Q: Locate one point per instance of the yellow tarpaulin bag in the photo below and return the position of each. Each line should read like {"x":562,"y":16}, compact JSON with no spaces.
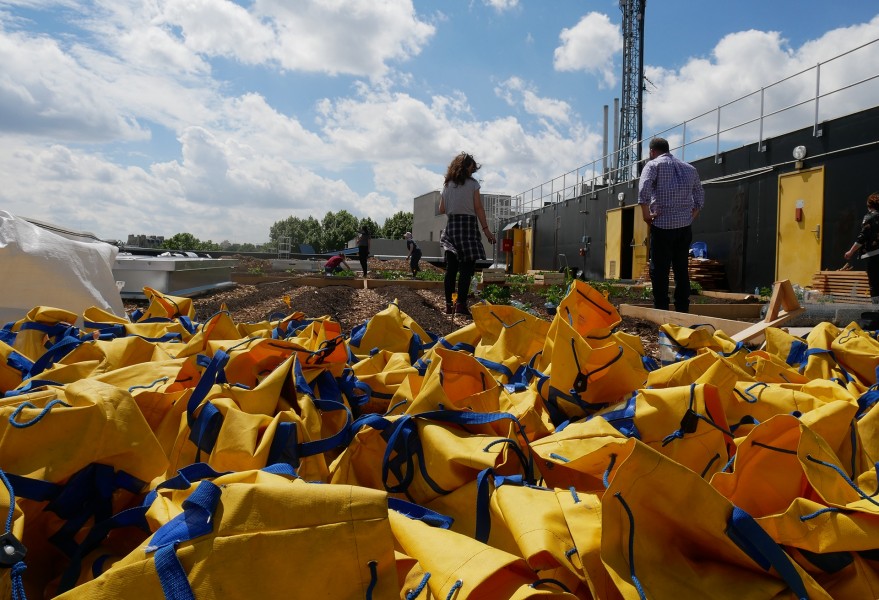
{"x":459,"y":381}
{"x":233,"y":536}
{"x":165,"y":306}
{"x":769,"y":368}
{"x":858,"y":352}
{"x":585,"y":375}
{"x":567,"y":458}
{"x":74,"y":455}
{"x":588,"y":311}
{"x":686,"y":424}
{"x":509,"y":338}
{"x":790,"y":349}
{"x":821,"y":362}
{"x":14,"y":553}
{"x":666,"y":533}
{"x":451,"y":565}
{"x":790,"y":480}
{"x":392,"y":330}
{"x":96,"y":320}
{"x":14,"y":367}
{"x":382,"y":373}
{"x":527,"y":521}
{"x":421,"y":457}
{"x":38,"y":330}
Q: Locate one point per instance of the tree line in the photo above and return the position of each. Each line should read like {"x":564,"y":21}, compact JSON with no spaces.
{"x":333,"y":232}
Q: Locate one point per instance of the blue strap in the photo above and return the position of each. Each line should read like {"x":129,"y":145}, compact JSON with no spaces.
{"x":416,"y":512}
{"x":623,"y":419}
{"x":757,"y":544}
{"x":797,"y":353}
{"x":195,"y":521}
{"x":20,"y":363}
{"x":498,"y":367}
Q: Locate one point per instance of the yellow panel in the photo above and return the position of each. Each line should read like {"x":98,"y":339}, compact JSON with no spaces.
{"x":639,"y":244}
{"x":612,"y":232}
{"x":518,"y":251}
{"x":798,"y":251}
{"x":529,"y":249}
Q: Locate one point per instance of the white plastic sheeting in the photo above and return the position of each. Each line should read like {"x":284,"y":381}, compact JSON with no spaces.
{"x":41,"y":268}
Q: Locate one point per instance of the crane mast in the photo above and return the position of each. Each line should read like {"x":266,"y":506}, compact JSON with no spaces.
{"x":633,"y":89}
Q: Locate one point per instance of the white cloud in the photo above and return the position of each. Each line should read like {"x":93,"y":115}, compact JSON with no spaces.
{"x":502,"y":5}
{"x":45,"y":90}
{"x":516,"y":92}
{"x":590,"y":46}
{"x":354,"y":37}
{"x":744,"y":62}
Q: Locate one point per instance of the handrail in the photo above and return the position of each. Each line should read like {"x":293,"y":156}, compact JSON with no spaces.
{"x":585,"y":184}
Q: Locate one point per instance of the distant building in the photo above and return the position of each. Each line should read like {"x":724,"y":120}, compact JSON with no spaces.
{"x":428,"y":223}
{"x":145,"y":241}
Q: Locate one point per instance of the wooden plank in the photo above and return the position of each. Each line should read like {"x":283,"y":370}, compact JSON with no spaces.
{"x":757,"y":329}
{"x":660,"y":317}
{"x":729,"y":295}
{"x":737,"y":312}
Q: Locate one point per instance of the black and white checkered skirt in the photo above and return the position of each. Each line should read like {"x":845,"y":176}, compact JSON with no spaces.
{"x":463,"y":238}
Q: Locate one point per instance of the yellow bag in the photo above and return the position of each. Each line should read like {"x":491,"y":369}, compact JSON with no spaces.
{"x":687,"y":424}
{"x":432,"y":454}
{"x":451,"y":565}
{"x":459,"y":382}
{"x":14,"y":367}
{"x":858,"y":353}
{"x":392,"y":330}
{"x":655,"y":546}
{"x":509,"y":338}
{"x":382,"y":373}
{"x":227,"y":538}
{"x":165,"y":306}
{"x":588,"y":311}
{"x":585,"y":375}
{"x":12,"y":559}
{"x":42,"y":327}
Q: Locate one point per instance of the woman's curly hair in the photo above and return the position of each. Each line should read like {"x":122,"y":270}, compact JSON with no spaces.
{"x":873,"y":201}
{"x":461,"y":167}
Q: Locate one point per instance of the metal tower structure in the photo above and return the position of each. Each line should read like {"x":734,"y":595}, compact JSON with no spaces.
{"x":633,"y":89}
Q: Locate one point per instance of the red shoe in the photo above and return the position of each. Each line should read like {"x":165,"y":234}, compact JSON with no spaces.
{"x":461,"y":309}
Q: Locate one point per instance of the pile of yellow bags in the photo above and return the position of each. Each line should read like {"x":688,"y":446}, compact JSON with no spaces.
{"x":161,"y":457}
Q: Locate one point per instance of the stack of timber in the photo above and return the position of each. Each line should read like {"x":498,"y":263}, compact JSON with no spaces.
{"x":547,"y":277}
{"x":494,"y":275}
{"x":708,"y":273}
{"x":847,"y":286}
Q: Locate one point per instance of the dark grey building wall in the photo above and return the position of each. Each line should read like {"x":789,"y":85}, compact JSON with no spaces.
{"x":740,"y":217}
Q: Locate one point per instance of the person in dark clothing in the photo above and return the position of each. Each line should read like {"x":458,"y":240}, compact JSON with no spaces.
{"x":363,"y":248}
{"x":414,"y":254}
{"x":461,"y":239}
{"x":866,"y":245}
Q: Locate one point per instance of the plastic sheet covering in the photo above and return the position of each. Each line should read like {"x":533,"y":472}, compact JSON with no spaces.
{"x":42,"y":268}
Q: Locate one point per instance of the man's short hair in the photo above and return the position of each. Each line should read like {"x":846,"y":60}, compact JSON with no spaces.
{"x":659,"y":144}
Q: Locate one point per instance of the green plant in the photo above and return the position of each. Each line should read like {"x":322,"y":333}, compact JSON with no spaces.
{"x":255,"y":271}
{"x":496,"y":294}
{"x":554,"y":293}
{"x":431,"y":275}
{"x":520,"y":283}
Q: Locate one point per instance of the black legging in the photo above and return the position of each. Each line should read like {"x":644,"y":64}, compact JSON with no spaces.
{"x":363,"y":254}
{"x":463,"y":272}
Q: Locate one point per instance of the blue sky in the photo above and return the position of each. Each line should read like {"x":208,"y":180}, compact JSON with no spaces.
{"x":219,"y":118}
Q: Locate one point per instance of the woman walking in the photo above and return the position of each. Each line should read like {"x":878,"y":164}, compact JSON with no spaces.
{"x":461,"y":239}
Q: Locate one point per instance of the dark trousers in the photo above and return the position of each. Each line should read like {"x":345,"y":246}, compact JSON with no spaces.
{"x":363,"y":255}
{"x":873,"y":275}
{"x":463,"y":272}
{"x":670,"y":248}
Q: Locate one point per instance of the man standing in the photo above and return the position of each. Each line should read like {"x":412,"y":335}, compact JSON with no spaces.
{"x":670,"y":195}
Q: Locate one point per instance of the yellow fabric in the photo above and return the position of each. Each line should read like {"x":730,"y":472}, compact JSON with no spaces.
{"x":677,"y":551}
{"x":262,"y":515}
{"x":165,"y":306}
{"x":390,"y":329}
{"x":32,"y":343}
{"x":450,"y":558}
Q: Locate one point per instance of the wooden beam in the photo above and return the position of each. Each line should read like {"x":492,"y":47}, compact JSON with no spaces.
{"x":783,"y":306}
{"x":730,"y":295}
{"x":660,"y":317}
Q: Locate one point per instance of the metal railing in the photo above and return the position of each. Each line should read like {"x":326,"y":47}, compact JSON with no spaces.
{"x":779,"y":107}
